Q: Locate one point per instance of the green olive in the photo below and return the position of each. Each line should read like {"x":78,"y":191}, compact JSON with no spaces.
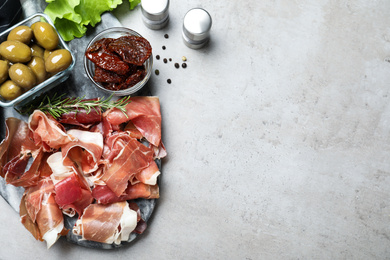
{"x":58,"y":60}
{"x":45,"y":35}
{"x":15,"y":51}
{"x":3,"y":70}
{"x":22,"y":75}
{"x":46,"y":54}
{"x":9,"y":90}
{"x":37,"y":65}
{"x":37,"y":50}
{"x":21,"y":33}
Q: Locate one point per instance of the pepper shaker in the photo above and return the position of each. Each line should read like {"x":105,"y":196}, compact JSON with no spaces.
{"x":196,"y":28}
{"x":155,"y":13}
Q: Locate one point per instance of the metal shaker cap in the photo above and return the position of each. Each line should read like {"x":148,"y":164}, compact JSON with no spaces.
{"x":196,"y":28}
{"x":155,"y":13}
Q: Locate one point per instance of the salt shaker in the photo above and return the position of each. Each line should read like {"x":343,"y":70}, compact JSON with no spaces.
{"x":155,"y":13}
{"x":196,"y":28}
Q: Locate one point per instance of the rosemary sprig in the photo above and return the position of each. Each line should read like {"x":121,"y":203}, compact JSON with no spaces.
{"x":58,"y":105}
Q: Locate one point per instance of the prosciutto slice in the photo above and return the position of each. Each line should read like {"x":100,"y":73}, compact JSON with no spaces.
{"x":47,"y":131}
{"x":82,"y":118}
{"x":71,"y":197}
{"x":89,"y":149}
{"x":18,"y":145}
{"x":133,"y":158}
{"x":104,"y":195}
{"x":149,"y":175}
{"x":41,"y":214}
{"x":37,"y":170}
{"x":109,"y":224}
{"x":144,"y":113}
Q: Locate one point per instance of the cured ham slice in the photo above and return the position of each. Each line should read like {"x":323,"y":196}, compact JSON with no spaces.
{"x":41,"y":214}
{"x":104,"y":195}
{"x":72,"y":191}
{"x":114,"y":144}
{"x":71,"y":197}
{"x":60,"y":171}
{"x":144,"y":113}
{"x":133,"y":131}
{"x":47,"y":131}
{"x":109,"y":224}
{"x":50,"y":220}
{"x":141,"y":190}
{"x":26,"y":220}
{"x":89,"y":149}
{"x":149,"y":175}
{"x":82,"y":118}
{"x":17,"y":147}
{"x":133,"y":158}
{"x":37,"y":170}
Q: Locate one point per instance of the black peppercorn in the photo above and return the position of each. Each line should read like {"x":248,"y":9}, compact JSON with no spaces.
{"x":184,"y":65}
{"x":165,"y":60}
{"x":169,"y":81}
{"x":177,"y":65}
{"x":158,"y":57}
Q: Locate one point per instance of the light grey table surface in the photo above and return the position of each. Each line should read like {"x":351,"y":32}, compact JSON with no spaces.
{"x":277,"y":134}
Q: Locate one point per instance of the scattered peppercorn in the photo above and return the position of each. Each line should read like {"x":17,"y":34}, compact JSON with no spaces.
{"x":177,"y":65}
{"x":157,"y":72}
{"x":184,"y":58}
{"x":158,"y":57}
{"x":163,"y":47}
{"x":169,"y":81}
{"x":165,"y":60}
{"x":184,"y":65}
{"x":170,"y":59}
{"x":166,"y":36}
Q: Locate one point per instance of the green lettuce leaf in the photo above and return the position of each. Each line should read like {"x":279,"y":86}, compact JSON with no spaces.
{"x":63,"y":9}
{"x":134,"y":3}
{"x":91,"y":11}
{"x":71,"y":17}
{"x":69,"y":29}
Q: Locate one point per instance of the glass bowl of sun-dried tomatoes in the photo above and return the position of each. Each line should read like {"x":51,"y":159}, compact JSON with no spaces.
{"x":119,"y":61}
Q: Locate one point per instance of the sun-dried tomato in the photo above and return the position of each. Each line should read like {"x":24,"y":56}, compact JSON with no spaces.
{"x":102,"y":75}
{"x":119,"y":62}
{"x":133,"y":78}
{"x":99,"y":54}
{"x":133,"y":49}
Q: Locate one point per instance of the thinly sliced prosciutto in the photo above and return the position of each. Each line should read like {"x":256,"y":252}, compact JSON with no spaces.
{"x":111,"y":223}
{"x":17,"y":146}
{"x":104,"y":195}
{"x":41,"y":214}
{"x":47,"y":131}
{"x":93,"y":167}
{"x":89,"y":146}
{"x":71,"y":197}
{"x":37,"y":170}
{"x":133,"y":158}
{"x":82,"y":118}
{"x":149,"y":175}
{"x":144,"y":113}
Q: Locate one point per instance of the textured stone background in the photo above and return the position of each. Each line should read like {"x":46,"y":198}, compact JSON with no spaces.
{"x":277,"y":133}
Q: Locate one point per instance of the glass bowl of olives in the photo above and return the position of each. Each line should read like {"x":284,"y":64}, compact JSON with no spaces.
{"x":33,"y":59}
{"x":119,"y":61}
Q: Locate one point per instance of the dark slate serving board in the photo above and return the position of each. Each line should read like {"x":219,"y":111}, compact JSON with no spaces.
{"x":77,"y":85}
